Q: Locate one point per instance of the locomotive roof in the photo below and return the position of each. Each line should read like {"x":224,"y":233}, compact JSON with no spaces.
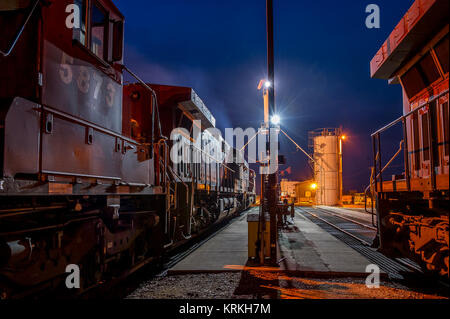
{"x":419,"y":24}
{"x":188,"y":100}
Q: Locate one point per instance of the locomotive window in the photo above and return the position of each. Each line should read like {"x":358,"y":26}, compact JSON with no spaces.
{"x":441,"y":50}
{"x":413,"y":82}
{"x":80,"y":33}
{"x":99,"y":20}
{"x":421,"y":75}
{"x":425,"y":144}
{"x":429,"y":69}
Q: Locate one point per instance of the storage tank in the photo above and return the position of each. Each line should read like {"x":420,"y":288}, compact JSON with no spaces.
{"x":327,"y":164}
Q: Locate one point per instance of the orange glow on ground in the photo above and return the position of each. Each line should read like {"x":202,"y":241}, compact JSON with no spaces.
{"x":270,"y":282}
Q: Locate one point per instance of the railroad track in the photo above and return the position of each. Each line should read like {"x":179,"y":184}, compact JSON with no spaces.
{"x":129,"y":281}
{"x":357,"y":235}
{"x":360,"y":231}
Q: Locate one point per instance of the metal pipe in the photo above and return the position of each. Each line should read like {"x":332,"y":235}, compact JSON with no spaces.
{"x":19,"y":33}
{"x":431,"y":145}
{"x":270,"y":57}
{"x":375,"y":163}
{"x":406,"y":155}
{"x":392,"y":159}
{"x":409,"y":113}
{"x":151,"y":91}
{"x":379,"y":162}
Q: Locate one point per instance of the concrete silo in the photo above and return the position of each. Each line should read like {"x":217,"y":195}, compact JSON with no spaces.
{"x":327,"y":147}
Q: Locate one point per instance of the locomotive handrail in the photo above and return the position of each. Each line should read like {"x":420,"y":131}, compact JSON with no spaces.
{"x":153,"y":94}
{"x":409,"y":113}
{"x":157,"y":111}
{"x":376,"y":137}
{"x":373,"y":177}
{"x":84,"y":122}
{"x":392,"y":159}
{"x":369,"y":187}
{"x":19,"y":33}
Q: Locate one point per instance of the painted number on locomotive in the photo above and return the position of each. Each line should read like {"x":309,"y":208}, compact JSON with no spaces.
{"x":85,"y":79}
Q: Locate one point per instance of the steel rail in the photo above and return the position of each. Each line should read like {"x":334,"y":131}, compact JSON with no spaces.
{"x":339,"y":228}
{"x":365,"y":243}
{"x":345,"y":218}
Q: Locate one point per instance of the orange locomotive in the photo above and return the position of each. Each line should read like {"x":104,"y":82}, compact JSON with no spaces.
{"x":413,"y":207}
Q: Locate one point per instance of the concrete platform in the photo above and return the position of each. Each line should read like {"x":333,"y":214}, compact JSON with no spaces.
{"x":221,"y":253}
{"x":309,"y":249}
{"x":305,"y":249}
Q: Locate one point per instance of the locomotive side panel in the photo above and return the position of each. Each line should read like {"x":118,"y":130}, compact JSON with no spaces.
{"x":78,"y":79}
{"x":70,"y":149}
{"x":22,"y":127}
{"x":80,"y":89}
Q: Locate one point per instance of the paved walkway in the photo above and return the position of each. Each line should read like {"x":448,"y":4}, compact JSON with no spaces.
{"x":304,"y":248}
{"x":308,"y":248}
{"x":221,"y":253}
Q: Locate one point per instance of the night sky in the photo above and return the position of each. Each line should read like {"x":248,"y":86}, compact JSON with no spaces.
{"x":322,"y":55}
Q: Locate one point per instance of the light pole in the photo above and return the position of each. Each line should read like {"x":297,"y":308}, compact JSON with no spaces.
{"x":271,"y":192}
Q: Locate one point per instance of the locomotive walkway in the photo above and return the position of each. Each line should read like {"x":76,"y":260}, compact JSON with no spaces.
{"x":304,"y":249}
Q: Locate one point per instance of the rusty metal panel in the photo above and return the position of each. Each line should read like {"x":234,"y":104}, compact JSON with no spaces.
{"x":398,"y":34}
{"x":78,"y":88}
{"x":422,"y":21}
{"x":65,"y":150}
{"x":413,"y":14}
{"x":77,"y":150}
{"x":136,"y":165}
{"x":22,"y":131}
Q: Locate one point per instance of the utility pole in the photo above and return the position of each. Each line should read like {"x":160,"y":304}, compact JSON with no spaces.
{"x":271,"y":191}
{"x":269,"y":181}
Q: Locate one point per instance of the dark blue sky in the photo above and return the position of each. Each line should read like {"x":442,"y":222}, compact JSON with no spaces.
{"x":322,"y":55}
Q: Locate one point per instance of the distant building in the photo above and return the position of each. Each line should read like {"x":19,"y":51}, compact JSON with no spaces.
{"x":288,"y":188}
{"x":327,"y":146}
{"x":347,"y":199}
{"x":356,"y":199}
{"x":305,"y":192}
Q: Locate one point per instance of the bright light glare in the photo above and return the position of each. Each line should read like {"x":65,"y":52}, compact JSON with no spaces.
{"x":343,"y":137}
{"x":276,"y":119}
{"x":267,"y":84}
{"x":313,"y":186}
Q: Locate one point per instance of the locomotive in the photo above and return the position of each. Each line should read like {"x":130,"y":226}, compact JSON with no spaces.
{"x":413,"y":207}
{"x":86,"y":177}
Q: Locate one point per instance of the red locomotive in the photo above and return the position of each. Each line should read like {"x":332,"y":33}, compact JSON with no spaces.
{"x":413,"y":207}
{"x":85,"y":172}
